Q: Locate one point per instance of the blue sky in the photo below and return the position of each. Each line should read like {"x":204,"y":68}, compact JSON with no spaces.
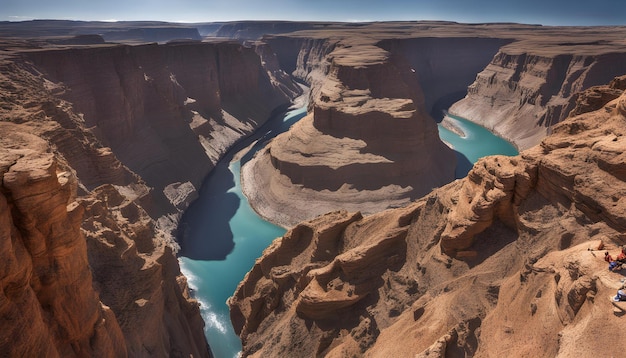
{"x":547,"y":12}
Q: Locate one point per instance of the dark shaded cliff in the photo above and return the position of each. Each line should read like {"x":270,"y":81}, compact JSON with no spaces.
{"x":190,"y":100}
{"x":445,"y":67}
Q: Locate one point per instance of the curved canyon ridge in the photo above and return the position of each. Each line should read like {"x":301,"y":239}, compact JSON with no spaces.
{"x":107,"y":131}
{"x":502,"y":262}
{"x":369,"y":143}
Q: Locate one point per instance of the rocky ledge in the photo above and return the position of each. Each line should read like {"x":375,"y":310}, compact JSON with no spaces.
{"x":82,"y":273}
{"x":501,"y":262}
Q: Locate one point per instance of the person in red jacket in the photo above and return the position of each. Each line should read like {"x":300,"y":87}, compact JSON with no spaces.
{"x":613,"y":264}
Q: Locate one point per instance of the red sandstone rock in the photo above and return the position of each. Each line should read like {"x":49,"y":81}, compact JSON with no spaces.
{"x":46,"y":284}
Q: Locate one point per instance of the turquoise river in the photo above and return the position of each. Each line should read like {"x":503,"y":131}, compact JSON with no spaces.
{"x":222,"y":236}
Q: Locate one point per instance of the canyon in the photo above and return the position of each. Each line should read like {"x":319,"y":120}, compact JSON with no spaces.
{"x":105,"y":145}
{"x":113,"y":122}
{"x":508,"y":260}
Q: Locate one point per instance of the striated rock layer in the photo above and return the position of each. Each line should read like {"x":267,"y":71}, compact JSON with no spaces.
{"x":502,"y":262}
{"x":368,"y":138}
{"x":47,"y":303}
{"x":529,"y":86}
{"x":119,"y":138}
{"x":181,"y":100}
{"x":367,"y":143}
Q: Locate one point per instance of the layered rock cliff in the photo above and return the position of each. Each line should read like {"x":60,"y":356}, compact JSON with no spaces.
{"x":183,"y":100}
{"x":359,"y":74}
{"x":122,"y":136}
{"x":97,"y":277}
{"x":368,"y":141}
{"x":502,"y":262}
{"x":528,"y":87}
{"x":48,"y":303}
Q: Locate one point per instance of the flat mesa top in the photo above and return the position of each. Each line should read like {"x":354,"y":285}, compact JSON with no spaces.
{"x":536,"y":39}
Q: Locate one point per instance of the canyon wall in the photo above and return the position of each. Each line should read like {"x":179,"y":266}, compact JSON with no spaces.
{"x":523,"y":92}
{"x":502,"y":262}
{"x":184,"y":100}
{"x":48,"y":304}
{"x":127,"y":134}
{"x":368,"y":142}
{"x":106,"y":145}
{"x":94,"y":274}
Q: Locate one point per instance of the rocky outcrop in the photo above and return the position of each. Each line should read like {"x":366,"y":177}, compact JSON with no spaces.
{"x":106,"y":259}
{"x":479,"y":267}
{"x":48,"y":303}
{"x":523,"y":93}
{"x":138,"y":277}
{"x":596,"y":97}
{"x":367,"y":143}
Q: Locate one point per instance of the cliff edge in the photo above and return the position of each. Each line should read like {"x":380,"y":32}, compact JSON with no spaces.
{"x":93,"y":142}
{"x":504,"y":261}
{"x":529,"y":86}
{"x":46,"y":283}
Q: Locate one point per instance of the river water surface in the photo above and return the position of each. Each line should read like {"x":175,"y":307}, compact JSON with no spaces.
{"x":223,"y":236}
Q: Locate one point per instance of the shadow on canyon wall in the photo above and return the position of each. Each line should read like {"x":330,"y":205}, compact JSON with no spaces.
{"x":437,"y":111}
{"x":204,"y":229}
{"x":463,"y":165}
{"x":204,"y":232}
{"x":442,"y":104}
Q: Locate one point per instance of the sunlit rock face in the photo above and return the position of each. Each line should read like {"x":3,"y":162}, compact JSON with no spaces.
{"x":516,"y":80}
{"x":47,"y":291}
{"x":368,"y":142}
{"x":506,"y":256}
{"x":524,"y":92}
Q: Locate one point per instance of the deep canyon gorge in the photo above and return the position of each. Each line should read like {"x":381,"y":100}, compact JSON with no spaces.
{"x":108,"y":131}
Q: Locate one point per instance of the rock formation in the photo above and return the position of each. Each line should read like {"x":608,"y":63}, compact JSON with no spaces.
{"x":529,"y":85}
{"x":91,"y":194}
{"x":339,"y":156}
{"x":104,"y":146}
{"x":502,"y":262}
{"x":368,"y":142}
{"x":48,"y":304}
{"x":178,"y":100}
